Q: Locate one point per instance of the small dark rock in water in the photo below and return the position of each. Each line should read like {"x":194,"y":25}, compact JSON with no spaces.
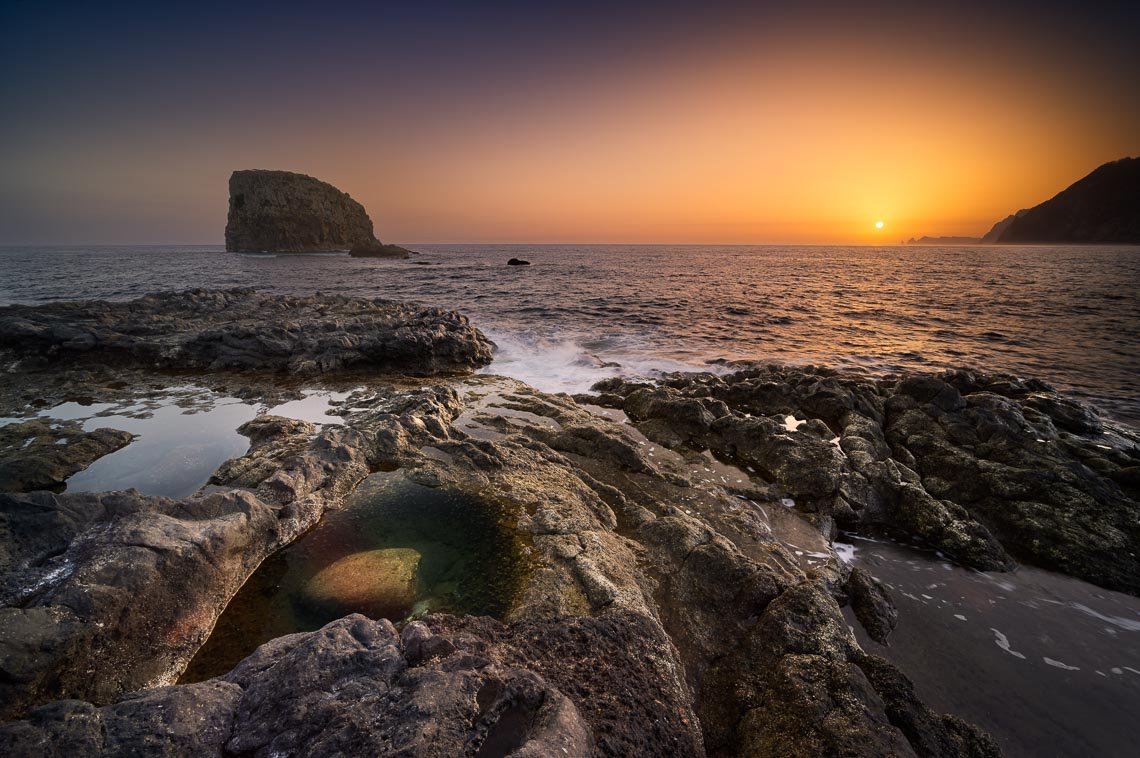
{"x":379,"y":250}
{"x":872,"y":605}
{"x":517,"y":262}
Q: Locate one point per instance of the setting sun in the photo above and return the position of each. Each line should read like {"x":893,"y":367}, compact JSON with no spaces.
{"x":878,"y":224}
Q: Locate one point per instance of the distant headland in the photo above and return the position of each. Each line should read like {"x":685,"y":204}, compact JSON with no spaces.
{"x":1101,"y":208}
{"x":284,"y":212}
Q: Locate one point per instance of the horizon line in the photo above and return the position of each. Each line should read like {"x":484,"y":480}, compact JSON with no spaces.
{"x":6,"y":245}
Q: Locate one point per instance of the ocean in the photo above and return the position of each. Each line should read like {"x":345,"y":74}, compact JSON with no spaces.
{"x":1050,"y":665}
{"x":579,"y":313}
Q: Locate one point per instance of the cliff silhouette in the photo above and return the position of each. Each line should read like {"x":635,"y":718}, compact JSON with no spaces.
{"x":1103,"y":207}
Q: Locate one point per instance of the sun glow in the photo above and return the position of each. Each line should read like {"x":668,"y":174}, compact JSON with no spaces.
{"x":878,"y":224}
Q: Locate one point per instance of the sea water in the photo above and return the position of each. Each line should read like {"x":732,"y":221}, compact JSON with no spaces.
{"x":1069,"y":315}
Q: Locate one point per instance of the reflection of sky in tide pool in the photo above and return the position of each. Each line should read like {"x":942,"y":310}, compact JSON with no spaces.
{"x":176,"y":448}
{"x":175,"y":452}
{"x":312,"y":407}
{"x":1048,"y":664}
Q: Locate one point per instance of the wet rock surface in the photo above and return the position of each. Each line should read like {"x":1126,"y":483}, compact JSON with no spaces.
{"x":872,"y":605}
{"x":985,"y":468}
{"x":241,"y":329}
{"x":106,"y":594}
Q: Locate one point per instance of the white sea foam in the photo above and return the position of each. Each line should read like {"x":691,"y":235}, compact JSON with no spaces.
{"x":791,"y":423}
{"x":1059,"y":665}
{"x":567,"y":365}
{"x":1130,"y":625}
{"x":1003,"y":642}
{"x":845,"y":551}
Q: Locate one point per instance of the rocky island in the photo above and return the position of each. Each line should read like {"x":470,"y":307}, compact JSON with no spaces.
{"x":667,"y":581}
{"x":284,"y":212}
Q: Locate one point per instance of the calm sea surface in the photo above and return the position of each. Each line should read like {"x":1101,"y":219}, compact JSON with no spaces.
{"x":1069,"y":315}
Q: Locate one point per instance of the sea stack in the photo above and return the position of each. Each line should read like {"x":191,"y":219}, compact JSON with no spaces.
{"x":284,"y":212}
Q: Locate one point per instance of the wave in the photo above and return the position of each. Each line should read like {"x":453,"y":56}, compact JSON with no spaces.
{"x":568,"y":364}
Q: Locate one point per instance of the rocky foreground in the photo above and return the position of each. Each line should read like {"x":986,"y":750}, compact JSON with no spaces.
{"x":661,"y":610}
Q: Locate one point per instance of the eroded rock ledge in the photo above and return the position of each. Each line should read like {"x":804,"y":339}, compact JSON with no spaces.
{"x":243,"y":329}
{"x":987,"y":468}
{"x":659,"y":615}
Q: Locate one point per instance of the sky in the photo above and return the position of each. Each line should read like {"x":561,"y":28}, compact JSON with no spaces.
{"x":714,"y":123}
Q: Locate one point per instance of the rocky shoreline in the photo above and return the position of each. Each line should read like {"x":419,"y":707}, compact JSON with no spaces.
{"x":662,"y":610}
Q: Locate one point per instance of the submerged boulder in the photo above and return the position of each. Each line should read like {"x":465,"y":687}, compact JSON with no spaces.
{"x":377,"y":583}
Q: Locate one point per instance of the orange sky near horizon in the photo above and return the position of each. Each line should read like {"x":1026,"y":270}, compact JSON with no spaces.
{"x":785,"y":150}
{"x":805,"y":133}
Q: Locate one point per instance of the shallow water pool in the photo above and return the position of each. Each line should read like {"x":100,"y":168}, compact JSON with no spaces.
{"x":175,"y":452}
{"x":470,"y":562}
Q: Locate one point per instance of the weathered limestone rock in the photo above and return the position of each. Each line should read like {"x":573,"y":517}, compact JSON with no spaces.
{"x":121,"y":593}
{"x":699,"y":578}
{"x":872,"y":605}
{"x":102,"y":594}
